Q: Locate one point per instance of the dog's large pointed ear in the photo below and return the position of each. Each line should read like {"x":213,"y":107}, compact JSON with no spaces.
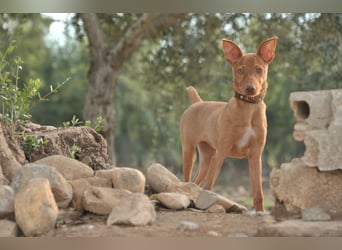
{"x":232,"y":51}
{"x":267,"y":49}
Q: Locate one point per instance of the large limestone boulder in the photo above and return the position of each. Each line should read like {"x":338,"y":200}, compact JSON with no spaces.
{"x":299,"y":187}
{"x":35,"y":208}
{"x":93,"y":147}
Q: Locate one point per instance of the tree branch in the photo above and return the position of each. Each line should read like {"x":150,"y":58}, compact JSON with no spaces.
{"x":94,"y":33}
{"x":147,"y":25}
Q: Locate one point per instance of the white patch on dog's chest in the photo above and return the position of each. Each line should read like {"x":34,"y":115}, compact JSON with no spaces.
{"x":246,"y":137}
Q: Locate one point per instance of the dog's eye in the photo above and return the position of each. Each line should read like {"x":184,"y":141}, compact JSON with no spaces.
{"x":240,"y":71}
{"x":258,"y":70}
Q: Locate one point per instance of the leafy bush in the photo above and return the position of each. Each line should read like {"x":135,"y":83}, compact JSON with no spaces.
{"x":16,"y":98}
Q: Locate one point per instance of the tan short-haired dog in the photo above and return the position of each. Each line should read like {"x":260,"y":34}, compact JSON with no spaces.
{"x":236,"y":128}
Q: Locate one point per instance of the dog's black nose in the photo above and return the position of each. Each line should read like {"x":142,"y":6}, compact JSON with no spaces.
{"x":250,"y":89}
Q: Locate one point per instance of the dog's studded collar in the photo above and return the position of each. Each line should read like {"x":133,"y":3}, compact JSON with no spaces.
{"x":250,"y":99}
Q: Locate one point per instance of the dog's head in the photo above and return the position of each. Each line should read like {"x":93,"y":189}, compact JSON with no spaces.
{"x":250,"y":69}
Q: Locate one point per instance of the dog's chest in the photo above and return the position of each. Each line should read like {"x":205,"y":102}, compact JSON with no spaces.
{"x":246,"y":137}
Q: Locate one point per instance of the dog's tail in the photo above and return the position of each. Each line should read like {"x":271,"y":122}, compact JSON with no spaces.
{"x":193,"y":95}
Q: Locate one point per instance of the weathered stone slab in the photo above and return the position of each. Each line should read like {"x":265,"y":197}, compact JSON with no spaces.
{"x":299,"y":228}
{"x":299,"y":187}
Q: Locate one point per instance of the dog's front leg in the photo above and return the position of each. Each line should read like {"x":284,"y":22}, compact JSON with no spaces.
{"x":255,"y":176}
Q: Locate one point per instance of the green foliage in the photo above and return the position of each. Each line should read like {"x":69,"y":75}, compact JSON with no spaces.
{"x":31,"y":143}
{"x":73,"y":151}
{"x":97,"y":126}
{"x":16,"y":99}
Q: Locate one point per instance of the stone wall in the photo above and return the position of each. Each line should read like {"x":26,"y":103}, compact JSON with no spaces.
{"x":316,"y":178}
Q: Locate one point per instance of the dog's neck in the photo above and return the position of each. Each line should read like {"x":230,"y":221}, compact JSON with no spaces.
{"x":250,"y":99}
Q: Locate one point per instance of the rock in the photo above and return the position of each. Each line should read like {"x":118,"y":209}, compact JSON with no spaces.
{"x":79,"y":187}
{"x":68,"y":216}
{"x":216,"y":208}
{"x":299,"y":187}
{"x":100,"y":200}
{"x":189,"y":225}
{"x":99,"y":182}
{"x":299,"y":228}
{"x":93,"y":147}
{"x":133,"y":210}
{"x":173,"y":200}
{"x":3,"y":179}
{"x":71,"y":169}
{"x":35,"y":208}
{"x":6,"y":201}
{"x":213,"y":233}
{"x":8,"y":229}
{"x":315,"y":213}
{"x":188,"y":188}
{"x":105,"y":173}
{"x":11,"y":154}
{"x":207,"y":198}
{"x":61,"y":189}
{"x":160,"y":178}
{"x":128,"y":178}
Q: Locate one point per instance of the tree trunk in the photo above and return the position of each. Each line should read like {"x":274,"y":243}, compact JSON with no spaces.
{"x":106,"y":63}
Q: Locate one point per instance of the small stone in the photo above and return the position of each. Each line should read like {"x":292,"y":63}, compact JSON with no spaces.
{"x":100,"y":200}
{"x":134,"y":210}
{"x":174,"y":200}
{"x":189,"y":225}
{"x":61,"y":189}
{"x":71,"y":169}
{"x":205,"y":199}
{"x":216,"y":208}
{"x":8,"y":229}
{"x":128,"y":178}
{"x":160,"y":178}
{"x":6,"y":201}
{"x":213,"y":233}
{"x":315,"y":213}
{"x":35,"y":208}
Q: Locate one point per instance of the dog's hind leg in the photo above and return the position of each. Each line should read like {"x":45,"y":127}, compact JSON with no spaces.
{"x":188,"y":157}
{"x":206,"y":152}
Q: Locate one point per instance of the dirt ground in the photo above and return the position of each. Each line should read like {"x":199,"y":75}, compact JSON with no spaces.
{"x":168,"y":223}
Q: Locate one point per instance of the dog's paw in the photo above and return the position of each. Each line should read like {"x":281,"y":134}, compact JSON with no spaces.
{"x":258,"y":213}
